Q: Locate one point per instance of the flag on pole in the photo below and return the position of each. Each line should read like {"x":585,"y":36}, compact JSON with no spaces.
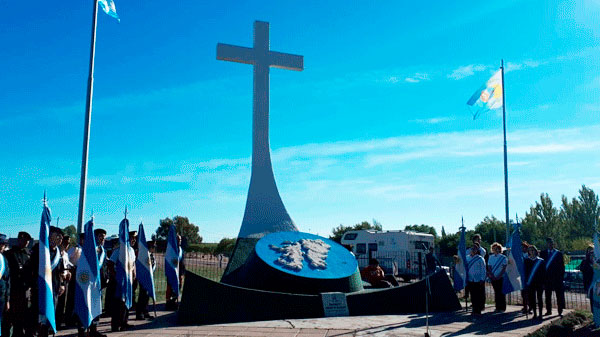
{"x":143,"y":264}
{"x":514,"y":276}
{"x":124,"y":265}
{"x":88,"y":291}
{"x":108,"y":6}
{"x":172,"y":258}
{"x":44,"y":281}
{"x":460,"y":267}
{"x":488,"y":97}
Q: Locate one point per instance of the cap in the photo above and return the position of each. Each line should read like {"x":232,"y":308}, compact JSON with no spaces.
{"x":133,"y":233}
{"x":54,"y":229}
{"x":99,"y":231}
{"x":24,"y":235}
{"x":3,"y":239}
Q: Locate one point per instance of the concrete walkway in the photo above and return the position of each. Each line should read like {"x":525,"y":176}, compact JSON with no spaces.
{"x":508,"y":324}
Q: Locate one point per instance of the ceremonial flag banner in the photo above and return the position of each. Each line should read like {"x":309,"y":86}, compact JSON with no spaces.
{"x":44,"y":280}
{"x":515,"y":270}
{"x":124,"y":265}
{"x":172,"y":258}
{"x":489,"y":96}
{"x":88,"y":291}
{"x":108,"y":6}
{"x":143,"y":264}
{"x":460,"y":268}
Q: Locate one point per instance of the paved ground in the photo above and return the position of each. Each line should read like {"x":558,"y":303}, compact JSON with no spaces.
{"x":508,"y":324}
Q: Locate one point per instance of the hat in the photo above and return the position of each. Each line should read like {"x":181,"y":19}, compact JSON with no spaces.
{"x":99,"y":231}
{"x":3,"y":239}
{"x":24,"y":235}
{"x":57,"y":230}
{"x":132,"y":233}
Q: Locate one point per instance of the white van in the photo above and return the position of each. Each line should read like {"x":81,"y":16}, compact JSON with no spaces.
{"x":393,"y":249}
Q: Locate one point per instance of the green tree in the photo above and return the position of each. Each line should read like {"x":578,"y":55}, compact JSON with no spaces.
{"x":71,"y":232}
{"x":443,"y":232}
{"x":187,"y":230}
{"x":491,"y":230}
{"x":546,"y":222}
{"x":225,"y":246}
{"x":422,"y":229}
{"x":340,"y":230}
{"x":588,"y":210}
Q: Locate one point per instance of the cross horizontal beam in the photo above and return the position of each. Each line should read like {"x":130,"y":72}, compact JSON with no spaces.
{"x":227,"y":52}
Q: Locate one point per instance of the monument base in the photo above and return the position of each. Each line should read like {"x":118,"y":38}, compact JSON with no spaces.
{"x":207,"y":302}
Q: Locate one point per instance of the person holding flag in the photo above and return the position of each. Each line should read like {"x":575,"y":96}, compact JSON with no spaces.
{"x":535,"y":274}
{"x":495,"y":270}
{"x":123,"y":265}
{"x":460,"y":268}
{"x":144,"y":266}
{"x":515,"y":272}
{"x":4,"y":279}
{"x":88,"y":292}
{"x":173,"y":268}
{"x":555,"y":274}
{"x":47,"y":275}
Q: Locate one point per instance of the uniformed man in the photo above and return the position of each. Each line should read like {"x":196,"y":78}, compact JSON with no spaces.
{"x":17,"y":257}
{"x":120,"y":313}
{"x":555,"y":273}
{"x":133,"y":243}
{"x":72,"y":257}
{"x":4,"y":279}
{"x":58,"y":278}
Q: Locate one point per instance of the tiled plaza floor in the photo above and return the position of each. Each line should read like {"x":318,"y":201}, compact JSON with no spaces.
{"x":508,"y":324}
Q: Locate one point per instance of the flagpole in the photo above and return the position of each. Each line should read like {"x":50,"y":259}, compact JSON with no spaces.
{"x":88,"y":119}
{"x":505,"y":157}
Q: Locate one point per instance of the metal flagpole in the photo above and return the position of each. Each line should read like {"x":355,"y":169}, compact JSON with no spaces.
{"x":505,"y":159}
{"x":88,"y":119}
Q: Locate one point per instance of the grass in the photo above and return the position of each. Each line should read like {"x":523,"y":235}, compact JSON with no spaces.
{"x":576,"y":323}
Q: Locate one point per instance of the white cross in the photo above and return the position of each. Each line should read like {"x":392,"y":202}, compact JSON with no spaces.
{"x":262,"y":59}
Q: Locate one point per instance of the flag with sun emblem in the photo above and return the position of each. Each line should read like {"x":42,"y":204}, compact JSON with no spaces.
{"x":488,"y":97}
{"x":88,"y":291}
{"x":44,"y":280}
{"x":172,"y":258}
{"x":125,"y":264}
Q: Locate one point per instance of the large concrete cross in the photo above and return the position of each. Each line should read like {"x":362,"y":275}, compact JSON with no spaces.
{"x":265,"y":212}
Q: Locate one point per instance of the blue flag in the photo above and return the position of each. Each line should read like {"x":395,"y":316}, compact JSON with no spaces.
{"x":88,"y":291}
{"x":108,"y":6}
{"x":514,"y":276}
{"x":488,"y":96}
{"x":460,"y":267}
{"x":44,"y":280}
{"x":143,"y":264}
{"x":124,"y":266}
{"x":172,"y":258}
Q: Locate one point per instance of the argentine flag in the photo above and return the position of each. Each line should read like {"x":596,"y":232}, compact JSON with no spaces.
{"x":88,"y":291}
{"x":489,"y":96}
{"x":108,"y":6}
{"x":172,"y":258}
{"x":460,"y":268}
{"x":514,"y":276}
{"x":44,"y":280}
{"x":143,"y":265}
{"x":124,"y":266}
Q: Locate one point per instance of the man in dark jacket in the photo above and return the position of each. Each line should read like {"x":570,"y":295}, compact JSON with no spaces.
{"x":58,"y":277}
{"x":4,"y":279}
{"x":17,"y":257}
{"x":555,"y":273}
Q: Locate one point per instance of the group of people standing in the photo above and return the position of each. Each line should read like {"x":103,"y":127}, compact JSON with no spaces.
{"x":543,"y":274}
{"x":19,"y":274}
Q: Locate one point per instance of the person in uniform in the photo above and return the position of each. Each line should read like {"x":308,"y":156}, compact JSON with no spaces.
{"x":535,"y":273}
{"x":133,"y":244}
{"x":120,"y":313}
{"x":555,"y":274}
{"x":496,"y":267}
{"x":17,"y":257}
{"x":4,"y":279}
{"x":58,"y":277}
{"x":476,"y":279}
{"x":111,"y":285}
{"x":141,"y":310}
{"x":524,"y":296}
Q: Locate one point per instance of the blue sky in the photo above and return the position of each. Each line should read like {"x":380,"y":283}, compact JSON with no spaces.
{"x":375,"y":127}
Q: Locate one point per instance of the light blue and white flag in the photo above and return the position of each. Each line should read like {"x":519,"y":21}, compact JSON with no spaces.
{"x":460,"y":267}
{"x":88,"y":291}
{"x":108,"y":6}
{"x":514,"y":275}
{"x":143,"y":264}
{"x":44,"y":280}
{"x":488,"y":96}
{"x":173,"y":256}
{"x":124,"y":266}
